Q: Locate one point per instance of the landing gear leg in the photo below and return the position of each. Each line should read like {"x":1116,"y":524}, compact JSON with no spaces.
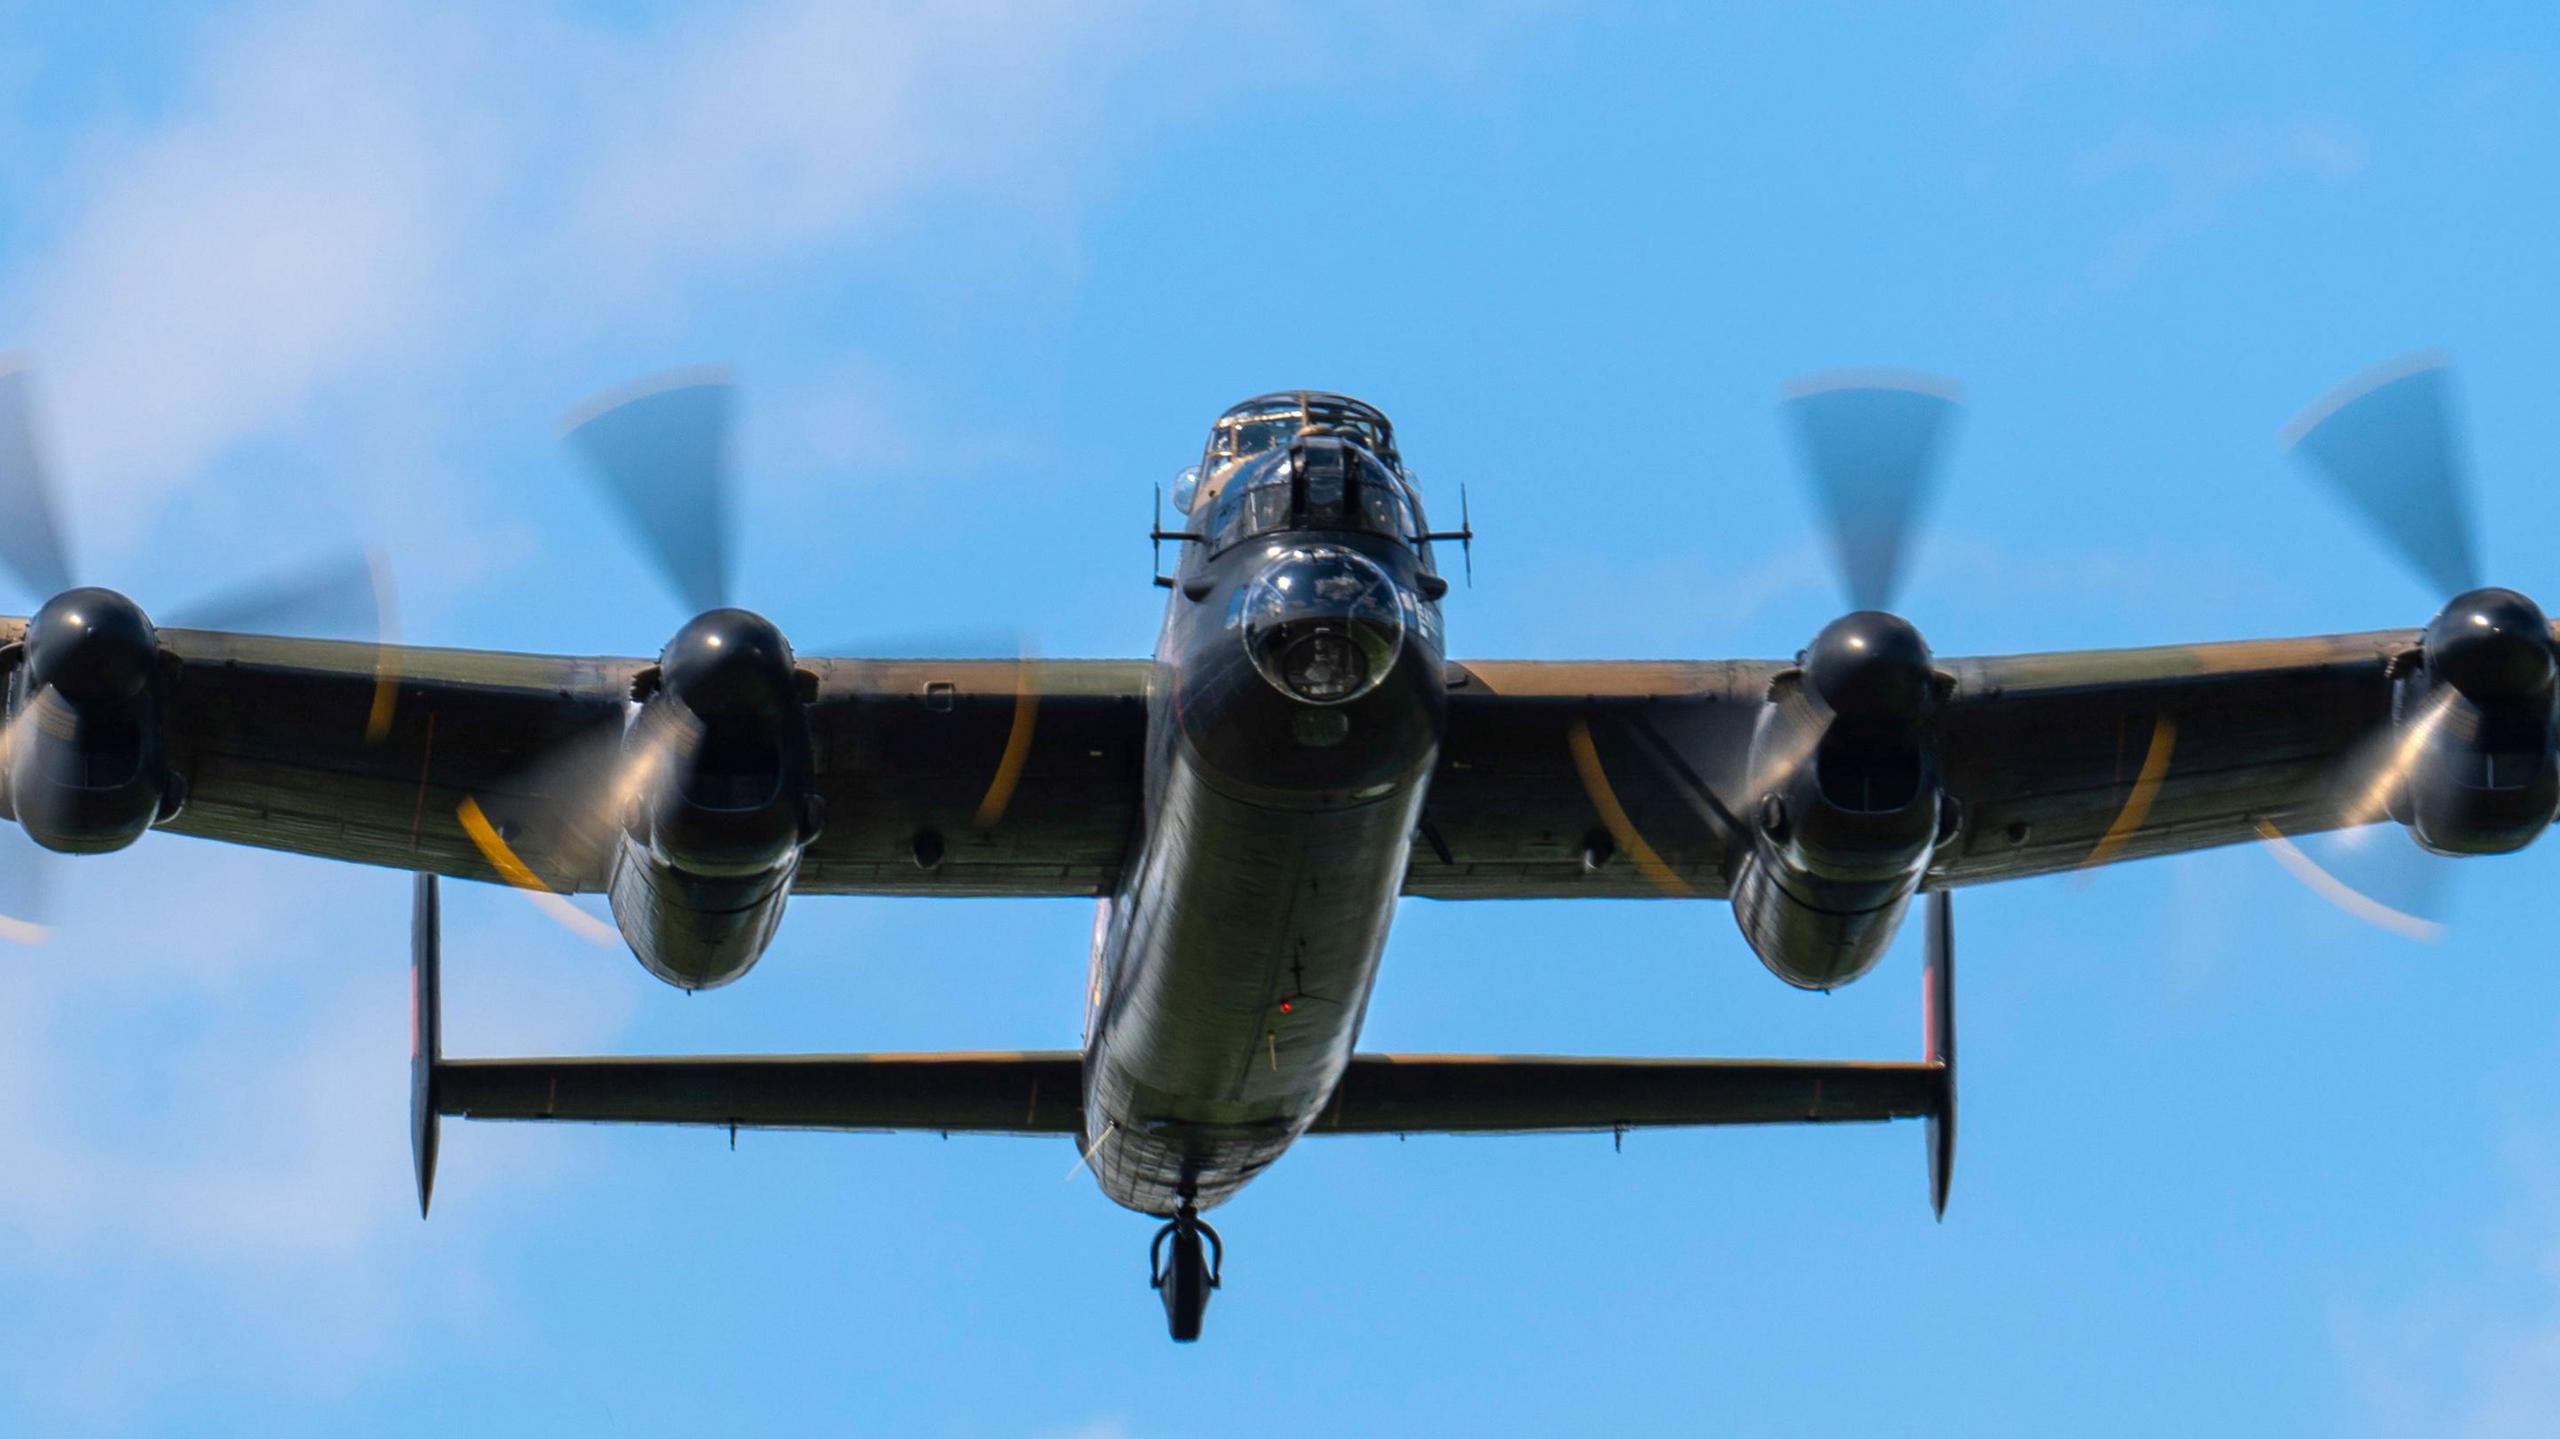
{"x":1186,"y":1273}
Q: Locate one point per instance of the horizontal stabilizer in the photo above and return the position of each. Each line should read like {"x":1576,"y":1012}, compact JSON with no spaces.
{"x":1504,"y":1094}
{"x":1042,"y":1092}
{"x":994,"y":1093}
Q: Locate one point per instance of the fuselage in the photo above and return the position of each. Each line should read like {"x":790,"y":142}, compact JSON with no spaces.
{"x":1294,"y":719}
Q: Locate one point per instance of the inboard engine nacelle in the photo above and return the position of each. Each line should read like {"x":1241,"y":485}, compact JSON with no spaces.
{"x":717,"y":802}
{"x":1850,"y":805}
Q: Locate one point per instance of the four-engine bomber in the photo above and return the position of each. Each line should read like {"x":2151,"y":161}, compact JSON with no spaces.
{"x":1248,"y":807}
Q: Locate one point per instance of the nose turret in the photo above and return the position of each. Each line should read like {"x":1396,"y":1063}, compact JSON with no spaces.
{"x":1323,"y":624}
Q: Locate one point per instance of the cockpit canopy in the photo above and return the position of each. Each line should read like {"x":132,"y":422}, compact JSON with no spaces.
{"x":1269,"y":422}
{"x":1313,"y":482}
{"x":1301,"y":460}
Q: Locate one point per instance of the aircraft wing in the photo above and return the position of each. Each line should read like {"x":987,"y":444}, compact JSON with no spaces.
{"x":368,"y":753}
{"x":1028,"y":774}
{"x":2061,"y":760}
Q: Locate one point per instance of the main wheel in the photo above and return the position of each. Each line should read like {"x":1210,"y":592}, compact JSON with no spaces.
{"x":1187,"y":1274}
{"x":1185,"y":1285}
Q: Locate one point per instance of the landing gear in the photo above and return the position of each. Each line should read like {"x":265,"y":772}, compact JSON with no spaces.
{"x":1186,"y":1276}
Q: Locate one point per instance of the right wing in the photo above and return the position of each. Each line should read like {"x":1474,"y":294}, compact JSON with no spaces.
{"x":1024,"y":775}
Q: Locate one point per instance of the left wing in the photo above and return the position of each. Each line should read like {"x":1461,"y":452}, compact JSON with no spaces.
{"x":2060,"y":760}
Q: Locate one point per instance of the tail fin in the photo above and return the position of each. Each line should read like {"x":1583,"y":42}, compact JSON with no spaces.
{"x":1938,"y":1014}
{"x":426,"y":1031}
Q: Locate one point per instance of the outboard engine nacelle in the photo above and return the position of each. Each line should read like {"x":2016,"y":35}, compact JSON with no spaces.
{"x":719,"y":805}
{"x":2478,"y":712}
{"x":1851,"y":804}
{"x":87,"y":768}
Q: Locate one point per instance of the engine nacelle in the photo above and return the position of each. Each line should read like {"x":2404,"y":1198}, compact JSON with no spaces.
{"x":86,"y":765}
{"x":2480,"y":777}
{"x":721,"y":805}
{"x":694,"y":931}
{"x":1852,"y":806}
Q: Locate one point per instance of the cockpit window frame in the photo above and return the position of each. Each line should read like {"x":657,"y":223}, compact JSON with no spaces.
{"x":1264,"y":496}
{"x":1313,"y":412}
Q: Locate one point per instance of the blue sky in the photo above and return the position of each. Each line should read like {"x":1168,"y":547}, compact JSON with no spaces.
{"x":301,"y":274}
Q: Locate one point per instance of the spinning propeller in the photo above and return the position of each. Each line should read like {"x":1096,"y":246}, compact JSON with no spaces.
{"x":346,"y":596}
{"x":1872,"y":441}
{"x":661,"y":451}
{"x":2385,"y":442}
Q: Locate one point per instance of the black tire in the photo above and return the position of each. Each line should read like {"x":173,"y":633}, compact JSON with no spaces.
{"x":1186,"y":1287}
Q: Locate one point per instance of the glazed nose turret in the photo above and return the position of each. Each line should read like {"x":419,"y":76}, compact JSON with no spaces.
{"x":1323,"y":623}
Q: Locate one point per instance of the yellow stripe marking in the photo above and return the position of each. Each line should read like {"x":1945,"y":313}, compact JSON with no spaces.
{"x":2137,"y":803}
{"x":514,"y":871}
{"x":386,"y":694}
{"x":1613,"y":816}
{"x":1017,"y":749}
{"x":386,"y":662}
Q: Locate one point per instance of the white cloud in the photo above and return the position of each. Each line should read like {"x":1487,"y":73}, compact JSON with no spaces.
{"x":289,"y":230}
{"x":350,"y":207}
{"x":335,"y":239}
{"x":255,"y":1100}
{"x":2191,"y":180}
{"x":2477,"y":1358}
{"x":1108,"y":1428}
{"x":203,"y":1127}
{"x":758,"y":133}
{"x":2046,"y":46}
{"x":346,"y":212}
